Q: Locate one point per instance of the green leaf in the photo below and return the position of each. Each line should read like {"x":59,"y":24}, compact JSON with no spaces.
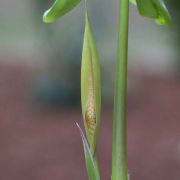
{"x":164,"y":17}
{"x":58,"y":9}
{"x":155,"y":9}
{"x":147,"y":8}
{"x":92,"y":170}
{"x":90,"y":87}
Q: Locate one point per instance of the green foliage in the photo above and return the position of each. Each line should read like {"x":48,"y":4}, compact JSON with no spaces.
{"x":58,"y":9}
{"x":91,"y":82}
{"x":155,"y":9}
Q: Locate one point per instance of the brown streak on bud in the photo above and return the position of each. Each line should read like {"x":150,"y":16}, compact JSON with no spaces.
{"x":90,"y":114}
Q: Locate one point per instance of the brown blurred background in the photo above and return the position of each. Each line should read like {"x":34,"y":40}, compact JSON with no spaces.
{"x":40,"y":94}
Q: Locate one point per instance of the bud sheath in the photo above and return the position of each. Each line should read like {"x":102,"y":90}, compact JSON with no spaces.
{"x":90,"y":87}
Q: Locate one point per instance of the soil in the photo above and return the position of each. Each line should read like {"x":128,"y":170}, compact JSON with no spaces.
{"x":41,"y":143}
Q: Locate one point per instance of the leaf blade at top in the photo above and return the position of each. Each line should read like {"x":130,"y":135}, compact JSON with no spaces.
{"x":164,"y":17}
{"x":155,"y":9}
{"x":146,"y":8}
{"x":59,"y":9}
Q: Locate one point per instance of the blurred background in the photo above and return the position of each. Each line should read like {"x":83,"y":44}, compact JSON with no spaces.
{"x":40,"y":92}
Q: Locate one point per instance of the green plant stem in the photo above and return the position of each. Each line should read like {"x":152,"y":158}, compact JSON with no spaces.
{"x":96,"y":163}
{"x":119,"y":149}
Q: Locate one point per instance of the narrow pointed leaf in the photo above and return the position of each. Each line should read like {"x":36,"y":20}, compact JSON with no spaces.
{"x":58,"y":9}
{"x":90,"y":87}
{"x":90,"y":165}
{"x":155,"y":9}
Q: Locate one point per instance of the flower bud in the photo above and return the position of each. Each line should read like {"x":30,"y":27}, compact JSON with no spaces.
{"x":90,"y":87}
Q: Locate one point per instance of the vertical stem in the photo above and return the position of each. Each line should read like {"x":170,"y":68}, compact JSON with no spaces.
{"x":96,"y":163}
{"x":119,"y":149}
